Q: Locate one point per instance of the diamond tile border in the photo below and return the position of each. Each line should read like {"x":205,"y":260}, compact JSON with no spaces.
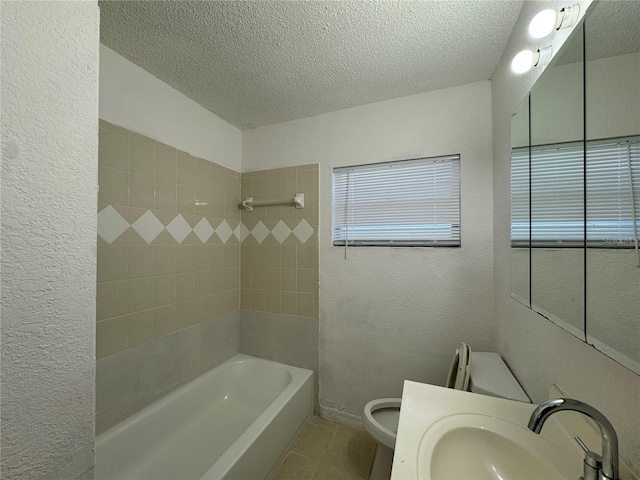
{"x":260,"y":232}
{"x":281,"y":231}
{"x":148,"y":226}
{"x":203,"y":230}
{"x":111,"y":225}
{"x":303,"y":231}
{"x":179,"y":228}
{"x":241,"y":232}
{"x":224,"y":231}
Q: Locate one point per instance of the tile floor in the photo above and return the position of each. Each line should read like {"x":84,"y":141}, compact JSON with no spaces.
{"x":328,"y":451}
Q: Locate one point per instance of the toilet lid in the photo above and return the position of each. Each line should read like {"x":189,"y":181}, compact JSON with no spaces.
{"x":489,"y":375}
{"x":458,"y":377}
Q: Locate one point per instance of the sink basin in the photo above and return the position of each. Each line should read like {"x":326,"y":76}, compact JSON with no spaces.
{"x":475,"y":446}
{"x":452,"y":434}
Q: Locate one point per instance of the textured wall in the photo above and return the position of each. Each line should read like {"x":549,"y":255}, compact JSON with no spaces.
{"x":387,"y":314}
{"x":168,"y":260}
{"x":538,"y":352}
{"x":135,"y":99}
{"x":49,"y":177}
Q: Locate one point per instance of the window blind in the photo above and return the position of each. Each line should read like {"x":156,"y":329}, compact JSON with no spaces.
{"x":404,"y":203}
{"x":613,"y":193}
{"x":520,"y":197}
{"x":557,"y":194}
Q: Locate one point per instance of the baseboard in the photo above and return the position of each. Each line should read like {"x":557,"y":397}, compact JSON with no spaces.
{"x":341,"y":416}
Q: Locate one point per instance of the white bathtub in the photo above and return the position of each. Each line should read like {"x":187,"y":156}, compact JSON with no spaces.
{"x":235,"y":422}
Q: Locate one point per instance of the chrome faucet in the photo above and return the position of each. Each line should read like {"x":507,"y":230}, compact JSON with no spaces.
{"x":593,"y":469}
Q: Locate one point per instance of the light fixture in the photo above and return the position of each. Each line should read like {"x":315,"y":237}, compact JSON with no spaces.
{"x":549,"y":20}
{"x":526,"y":59}
{"x":543,"y":23}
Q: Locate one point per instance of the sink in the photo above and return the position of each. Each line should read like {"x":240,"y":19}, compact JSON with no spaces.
{"x":482,"y":447}
{"x":452,"y":434}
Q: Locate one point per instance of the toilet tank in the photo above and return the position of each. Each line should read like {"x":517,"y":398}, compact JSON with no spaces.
{"x":491,"y":376}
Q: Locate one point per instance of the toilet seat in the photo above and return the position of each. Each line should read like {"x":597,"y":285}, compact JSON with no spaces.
{"x":383,"y":428}
{"x":381,"y":416}
{"x":491,"y":377}
{"x":459,"y":371}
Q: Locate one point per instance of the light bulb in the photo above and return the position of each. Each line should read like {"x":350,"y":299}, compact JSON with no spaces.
{"x":543,"y":23}
{"x":523,"y":61}
{"x":549,"y":20}
{"x":526,"y":59}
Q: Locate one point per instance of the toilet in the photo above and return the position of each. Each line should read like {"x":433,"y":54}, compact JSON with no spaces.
{"x":486,"y":374}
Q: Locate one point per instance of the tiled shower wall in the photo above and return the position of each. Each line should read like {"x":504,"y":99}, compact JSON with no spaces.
{"x":168,"y":270}
{"x":279,"y":268}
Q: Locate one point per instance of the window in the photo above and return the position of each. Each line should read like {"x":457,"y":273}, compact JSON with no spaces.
{"x":557,"y":193}
{"x":413,"y":203}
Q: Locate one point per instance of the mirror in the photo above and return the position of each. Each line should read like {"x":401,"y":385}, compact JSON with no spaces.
{"x":520,"y":212}
{"x":584,"y":183}
{"x":612,"y":79}
{"x":557,"y":189}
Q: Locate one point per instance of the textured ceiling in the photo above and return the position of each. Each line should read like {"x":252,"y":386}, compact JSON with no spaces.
{"x":255,"y":63}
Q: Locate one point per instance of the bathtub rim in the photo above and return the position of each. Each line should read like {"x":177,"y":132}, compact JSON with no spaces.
{"x":299,"y":377}
{"x":222,"y":465}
